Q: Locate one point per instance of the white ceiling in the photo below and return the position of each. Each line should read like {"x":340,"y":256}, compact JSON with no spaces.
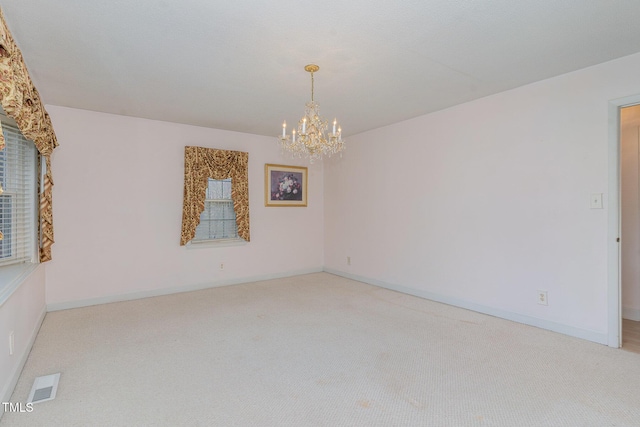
{"x":238,"y":64}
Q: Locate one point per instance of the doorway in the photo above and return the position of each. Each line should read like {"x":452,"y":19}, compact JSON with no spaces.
{"x":630,"y":227}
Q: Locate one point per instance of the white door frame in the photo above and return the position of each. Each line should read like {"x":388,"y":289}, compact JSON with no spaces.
{"x":613,"y":231}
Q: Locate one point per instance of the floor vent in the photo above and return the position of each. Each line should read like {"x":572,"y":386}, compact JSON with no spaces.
{"x":44,"y":388}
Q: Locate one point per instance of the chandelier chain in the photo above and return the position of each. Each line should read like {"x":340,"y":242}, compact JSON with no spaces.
{"x":311,"y":86}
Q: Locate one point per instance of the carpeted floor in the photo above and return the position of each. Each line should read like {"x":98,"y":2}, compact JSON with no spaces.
{"x":318,"y":350}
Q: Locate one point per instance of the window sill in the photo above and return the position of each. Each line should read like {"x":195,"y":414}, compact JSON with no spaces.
{"x":201,"y":244}
{"x":12,"y":276}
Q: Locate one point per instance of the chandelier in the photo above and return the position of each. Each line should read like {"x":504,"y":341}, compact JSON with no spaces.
{"x":311,"y":138}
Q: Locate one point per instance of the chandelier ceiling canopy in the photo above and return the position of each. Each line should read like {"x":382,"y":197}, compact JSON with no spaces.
{"x":310,"y":137}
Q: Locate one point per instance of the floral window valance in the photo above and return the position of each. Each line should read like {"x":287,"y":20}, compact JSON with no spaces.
{"x":200,"y":164}
{"x":21,"y":101}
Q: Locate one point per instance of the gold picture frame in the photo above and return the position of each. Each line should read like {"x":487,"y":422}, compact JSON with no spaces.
{"x":285,"y":185}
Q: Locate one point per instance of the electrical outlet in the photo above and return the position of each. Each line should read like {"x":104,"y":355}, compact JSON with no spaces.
{"x":348,"y":260}
{"x":11,"y":343}
{"x":222,"y":266}
{"x":542,"y":298}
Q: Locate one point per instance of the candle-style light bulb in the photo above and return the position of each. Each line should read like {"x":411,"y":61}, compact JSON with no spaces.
{"x":334,"y":126}
{"x":284,"y":128}
{"x":294,"y":135}
{"x":304,"y":126}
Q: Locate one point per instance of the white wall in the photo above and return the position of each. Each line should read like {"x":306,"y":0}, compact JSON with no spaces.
{"x":117,"y":205}
{"x":22,"y":313}
{"x":485,"y":203}
{"x":630,"y":212}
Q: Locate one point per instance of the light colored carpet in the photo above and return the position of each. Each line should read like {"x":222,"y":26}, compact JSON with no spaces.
{"x":318,"y":350}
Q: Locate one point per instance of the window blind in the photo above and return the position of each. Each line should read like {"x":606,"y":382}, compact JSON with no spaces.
{"x":18,"y":201}
{"x":218,"y":220}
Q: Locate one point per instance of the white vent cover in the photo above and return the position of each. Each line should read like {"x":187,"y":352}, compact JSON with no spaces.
{"x":44,"y":388}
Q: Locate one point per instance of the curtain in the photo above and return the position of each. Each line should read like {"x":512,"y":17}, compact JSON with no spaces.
{"x":200,"y":164}
{"x":21,"y":101}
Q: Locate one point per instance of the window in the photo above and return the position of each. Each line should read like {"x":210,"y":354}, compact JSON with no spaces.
{"x":200,"y":164}
{"x":218,"y":220}
{"x":18,"y":201}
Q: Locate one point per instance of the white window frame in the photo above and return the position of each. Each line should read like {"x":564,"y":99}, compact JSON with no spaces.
{"x":222,"y":241}
{"x":13,"y":271}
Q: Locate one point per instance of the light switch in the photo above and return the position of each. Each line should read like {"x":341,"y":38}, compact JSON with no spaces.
{"x":596,"y":201}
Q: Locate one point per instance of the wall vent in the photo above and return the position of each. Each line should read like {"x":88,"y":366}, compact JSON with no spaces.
{"x":44,"y":388}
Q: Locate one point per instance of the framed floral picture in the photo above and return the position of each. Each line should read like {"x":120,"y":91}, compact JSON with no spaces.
{"x":285,"y":185}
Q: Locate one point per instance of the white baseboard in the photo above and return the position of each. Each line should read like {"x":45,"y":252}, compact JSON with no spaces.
{"x":15,"y":375}
{"x":503,"y":314}
{"x":631,"y":314}
{"x":596,"y":337}
{"x":175,"y":290}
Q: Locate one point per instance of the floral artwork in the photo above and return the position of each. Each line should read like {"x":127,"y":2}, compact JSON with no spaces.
{"x":285,"y":185}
